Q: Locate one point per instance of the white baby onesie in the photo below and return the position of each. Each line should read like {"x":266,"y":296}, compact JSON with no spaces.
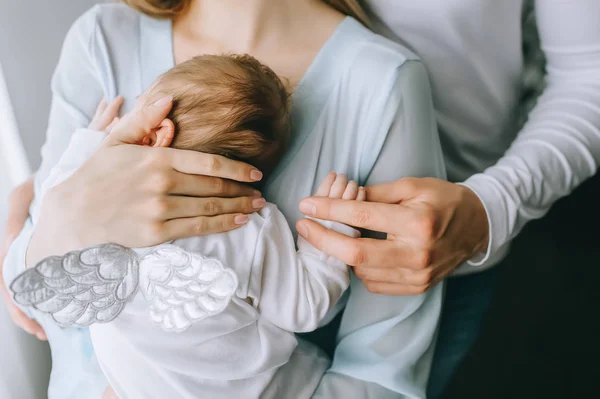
{"x":247,"y":350}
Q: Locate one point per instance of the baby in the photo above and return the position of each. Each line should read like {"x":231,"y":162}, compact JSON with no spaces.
{"x":214,"y":315}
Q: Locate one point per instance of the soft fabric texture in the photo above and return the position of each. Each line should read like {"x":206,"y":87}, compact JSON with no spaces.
{"x":363,"y":108}
{"x":472,"y":50}
{"x":94,"y":285}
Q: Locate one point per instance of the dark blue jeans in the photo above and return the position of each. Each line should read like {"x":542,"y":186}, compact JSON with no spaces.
{"x":466,"y":301}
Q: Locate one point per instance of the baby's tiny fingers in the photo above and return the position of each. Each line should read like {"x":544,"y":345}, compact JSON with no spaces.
{"x":338,"y":187}
{"x":100,"y":109}
{"x":112,"y":124}
{"x":112,"y":110}
{"x":362,"y":194}
{"x":351,"y":191}
{"x":110,"y":113}
{"x":325,"y":187}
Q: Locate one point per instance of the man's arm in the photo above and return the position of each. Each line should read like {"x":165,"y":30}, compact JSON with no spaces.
{"x":559,"y":147}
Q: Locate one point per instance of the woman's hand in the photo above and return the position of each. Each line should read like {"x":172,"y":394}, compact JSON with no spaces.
{"x":139,"y":196}
{"x":432,"y":227}
{"x":18,"y":210}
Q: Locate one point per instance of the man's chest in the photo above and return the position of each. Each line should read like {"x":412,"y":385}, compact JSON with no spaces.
{"x":418,"y":23}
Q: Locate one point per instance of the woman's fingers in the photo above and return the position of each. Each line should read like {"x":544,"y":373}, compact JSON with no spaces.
{"x":185,"y":207}
{"x":136,"y":125}
{"x":198,"y":163}
{"x":202,"y":225}
{"x":207,"y":186}
{"x":110,"y":127}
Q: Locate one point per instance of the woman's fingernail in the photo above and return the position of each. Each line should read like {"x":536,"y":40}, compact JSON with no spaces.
{"x":240,"y":219}
{"x":256,"y":193}
{"x":302,"y":230}
{"x":163,"y":101}
{"x":307,"y":208}
{"x":258,"y":203}
{"x":256,"y":174}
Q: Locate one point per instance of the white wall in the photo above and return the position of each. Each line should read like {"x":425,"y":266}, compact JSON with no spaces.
{"x":31,"y":34}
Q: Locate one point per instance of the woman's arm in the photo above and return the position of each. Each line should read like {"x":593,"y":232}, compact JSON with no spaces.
{"x":18,"y":211}
{"x":389,"y":340}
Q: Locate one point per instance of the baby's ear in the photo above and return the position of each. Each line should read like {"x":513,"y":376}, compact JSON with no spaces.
{"x":161,"y":136}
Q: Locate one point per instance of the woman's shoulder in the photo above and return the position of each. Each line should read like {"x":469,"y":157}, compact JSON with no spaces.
{"x":374,"y":59}
{"x":105,"y":24}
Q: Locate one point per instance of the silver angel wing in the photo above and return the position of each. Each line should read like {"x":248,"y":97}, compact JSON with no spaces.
{"x":183,"y":287}
{"x":81,"y":287}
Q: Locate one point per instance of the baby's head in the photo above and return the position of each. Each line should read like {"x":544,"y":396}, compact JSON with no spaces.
{"x":230,"y":105}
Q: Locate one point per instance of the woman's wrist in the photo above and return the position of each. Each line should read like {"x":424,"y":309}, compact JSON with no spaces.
{"x":50,"y":235}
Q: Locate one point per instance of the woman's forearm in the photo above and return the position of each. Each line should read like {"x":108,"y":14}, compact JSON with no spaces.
{"x":44,"y":239}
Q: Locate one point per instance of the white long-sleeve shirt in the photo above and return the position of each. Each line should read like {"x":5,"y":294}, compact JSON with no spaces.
{"x":472,"y":51}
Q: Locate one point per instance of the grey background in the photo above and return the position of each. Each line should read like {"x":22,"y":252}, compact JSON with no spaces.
{"x":31,"y":34}
{"x":541,"y":337}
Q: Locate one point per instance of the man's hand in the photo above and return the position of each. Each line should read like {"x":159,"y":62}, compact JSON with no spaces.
{"x":432,"y":227}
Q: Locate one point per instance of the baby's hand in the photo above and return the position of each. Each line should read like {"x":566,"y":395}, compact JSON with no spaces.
{"x":106,"y":115}
{"x":337,"y":186}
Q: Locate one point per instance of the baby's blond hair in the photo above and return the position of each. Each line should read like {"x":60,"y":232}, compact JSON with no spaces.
{"x":230,"y":105}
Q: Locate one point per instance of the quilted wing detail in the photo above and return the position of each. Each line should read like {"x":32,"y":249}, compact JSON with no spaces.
{"x":82,"y":287}
{"x":183,"y":287}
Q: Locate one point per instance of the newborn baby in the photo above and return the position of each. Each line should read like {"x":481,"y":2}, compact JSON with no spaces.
{"x":215,"y":315}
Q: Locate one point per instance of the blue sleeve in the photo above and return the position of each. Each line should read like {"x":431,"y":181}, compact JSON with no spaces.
{"x":389,"y":340}
{"x":77,"y":89}
{"x":76,"y":92}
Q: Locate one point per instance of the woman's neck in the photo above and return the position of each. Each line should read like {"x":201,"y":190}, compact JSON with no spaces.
{"x":283,"y":34}
{"x":241,"y":26}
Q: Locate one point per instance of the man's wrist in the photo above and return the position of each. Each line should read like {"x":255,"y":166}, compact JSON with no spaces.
{"x":480,"y":219}
{"x":481,"y":247}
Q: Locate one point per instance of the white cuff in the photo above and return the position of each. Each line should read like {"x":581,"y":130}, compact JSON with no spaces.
{"x":493,"y":202}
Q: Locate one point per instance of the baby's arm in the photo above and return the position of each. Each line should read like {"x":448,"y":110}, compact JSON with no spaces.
{"x":298,"y":288}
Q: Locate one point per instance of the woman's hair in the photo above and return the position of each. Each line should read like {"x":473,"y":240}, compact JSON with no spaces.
{"x":351,"y":8}
{"x":171,"y":8}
